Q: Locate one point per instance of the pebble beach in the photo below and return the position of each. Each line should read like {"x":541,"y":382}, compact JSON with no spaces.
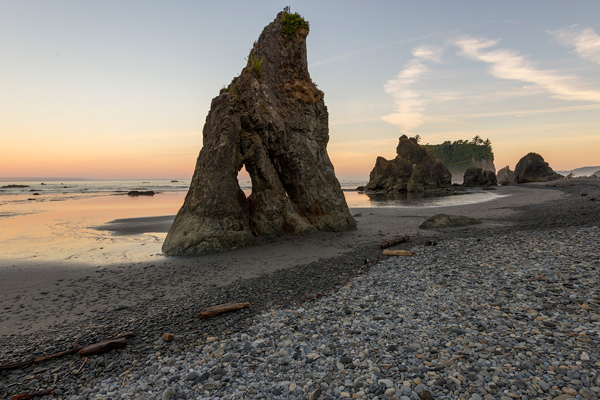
{"x":506,"y":310}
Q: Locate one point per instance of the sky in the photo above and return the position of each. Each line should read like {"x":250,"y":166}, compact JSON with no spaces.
{"x":121,"y":89}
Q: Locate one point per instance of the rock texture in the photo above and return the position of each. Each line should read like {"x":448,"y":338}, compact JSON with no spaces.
{"x":596,"y":174}
{"x":506,"y":176}
{"x":414,"y":169}
{"x":271,"y":119}
{"x":475,"y":176}
{"x":533,"y":168}
{"x":485,"y":164}
{"x":448,"y":221}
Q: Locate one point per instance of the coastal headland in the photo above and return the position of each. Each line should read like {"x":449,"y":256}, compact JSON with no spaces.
{"x":486,"y":285}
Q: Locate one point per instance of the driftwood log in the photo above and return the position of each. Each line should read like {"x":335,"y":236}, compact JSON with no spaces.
{"x":95,"y":348}
{"x":103,"y":347}
{"x":398,"y":253}
{"x":221,"y":309}
{"x":393,"y":242}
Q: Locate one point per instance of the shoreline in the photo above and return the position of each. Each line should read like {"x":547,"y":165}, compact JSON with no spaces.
{"x":43,"y":287}
{"x":92,"y":303}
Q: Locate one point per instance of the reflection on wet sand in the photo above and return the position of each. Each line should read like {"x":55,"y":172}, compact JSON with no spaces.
{"x":427,"y":199}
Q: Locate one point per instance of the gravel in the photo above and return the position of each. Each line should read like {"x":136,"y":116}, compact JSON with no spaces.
{"x":503,"y":313}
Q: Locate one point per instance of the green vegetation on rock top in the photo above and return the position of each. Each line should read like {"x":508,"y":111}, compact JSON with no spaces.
{"x":291,"y":23}
{"x":461,"y":153}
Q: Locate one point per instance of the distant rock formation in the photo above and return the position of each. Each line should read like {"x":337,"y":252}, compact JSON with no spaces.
{"x":533,"y":168}
{"x":271,"y":119}
{"x":414,"y":169}
{"x":14,"y":186}
{"x":485,"y":164}
{"x":506,"y":176}
{"x":135,"y":193}
{"x":475,"y":176}
{"x":462,"y":154}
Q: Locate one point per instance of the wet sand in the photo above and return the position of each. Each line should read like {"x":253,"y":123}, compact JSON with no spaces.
{"x":37,"y":295}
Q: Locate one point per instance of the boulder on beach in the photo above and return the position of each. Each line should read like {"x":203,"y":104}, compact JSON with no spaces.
{"x":273,"y":121}
{"x":506,"y":176}
{"x":448,"y":221}
{"x":533,"y":168}
{"x":596,"y":174}
{"x":475,"y":176}
{"x":414,"y":169}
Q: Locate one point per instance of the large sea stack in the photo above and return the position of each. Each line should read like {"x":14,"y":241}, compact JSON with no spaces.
{"x":271,"y":119}
{"x":414,"y":169}
{"x":533,"y":168}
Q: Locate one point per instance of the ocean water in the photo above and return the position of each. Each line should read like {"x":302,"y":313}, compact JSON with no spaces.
{"x":64,"y":222}
{"x":27,"y":191}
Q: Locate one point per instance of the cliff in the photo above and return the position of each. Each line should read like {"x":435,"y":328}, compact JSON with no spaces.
{"x":273,"y":121}
{"x":459,"y":155}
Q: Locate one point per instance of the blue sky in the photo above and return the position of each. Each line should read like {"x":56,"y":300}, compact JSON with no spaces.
{"x":122,"y":88}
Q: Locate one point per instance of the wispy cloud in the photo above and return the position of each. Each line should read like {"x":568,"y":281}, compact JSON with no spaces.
{"x":431,"y":53}
{"x":507,"y":64}
{"x":408,"y":103}
{"x":585,"y":42}
{"x":520,"y":112}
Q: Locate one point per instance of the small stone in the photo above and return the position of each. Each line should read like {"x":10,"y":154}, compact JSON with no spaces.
{"x":588,"y":394}
{"x":314,"y":395}
{"x":563,"y":397}
{"x":168,"y":337}
{"x":426,"y":395}
{"x":385,"y":383}
{"x":584,"y":356}
{"x":204,"y":377}
{"x":168,"y":393}
{"x":191,"y":376}
{"x":570,"y":391}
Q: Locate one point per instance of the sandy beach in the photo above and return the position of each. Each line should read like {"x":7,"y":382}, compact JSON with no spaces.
{"x":37,"y":295}
{"x":46,"y":305}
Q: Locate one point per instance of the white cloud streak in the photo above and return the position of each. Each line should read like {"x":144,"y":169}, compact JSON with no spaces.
{"x":408,"y":106}
{"x":428,"y":53}
{"x":408,"y":103}
{"x":507,"y":64}
{"x":586,"y":42}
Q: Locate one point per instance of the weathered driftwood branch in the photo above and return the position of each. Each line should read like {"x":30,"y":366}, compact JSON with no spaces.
{"x":27,"y":396}
{"x":103,"y":347}
{"x":393,"y":242}
{"x":398,"y":253}
{"x":221,"y":309}
{"x":95,"y":348}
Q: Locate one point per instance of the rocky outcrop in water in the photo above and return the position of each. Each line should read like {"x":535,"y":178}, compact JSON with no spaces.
{"x":475,"y":176}
{"x":506,"y":176}
{"x":533,"y":168}
{"x":273,"y":121}
{"x":414,"y":169}
{"x":485,"y":164}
